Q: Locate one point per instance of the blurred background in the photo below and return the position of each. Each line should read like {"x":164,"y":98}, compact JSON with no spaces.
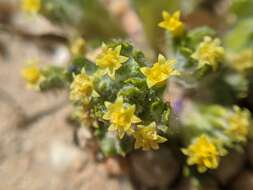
{"x":40,"y":148}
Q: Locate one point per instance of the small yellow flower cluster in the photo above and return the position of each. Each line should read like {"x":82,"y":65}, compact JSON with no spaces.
{"x":147,"y":137}
{"x":172,"y":23}
{"x":31,"y":6}
{"x":242,"y":61}
{"x":32,"y":74}
{"x":121,"y":116}
{"x":203,"y":152}
{"x":77,"y":47}
{"x":239,"y":123}
{"x":209,"y":52}
{"x":81,"y":88}
{"x":110,"y":60}
{"x":159,"y":72}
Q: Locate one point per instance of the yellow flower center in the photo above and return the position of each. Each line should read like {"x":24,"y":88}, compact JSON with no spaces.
{"x":121,"y":117}
{"x":31,"y":74}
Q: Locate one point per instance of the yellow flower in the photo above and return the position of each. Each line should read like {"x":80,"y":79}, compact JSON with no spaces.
{"x":242,"y":61}
{"x":209,"y":52}
{"x":78,"y":47}
{"x":31,"y":6}
{"x":147,"y":137}
{"x":159,"y":72}
{"x":32,"y":74}
{"x":110,"y":60}
{"x":172,"y":23}
{"x":202,"y":152}
{"x":239,"y":123}
{"x":121,"y":117}
{"x":81,"y":88}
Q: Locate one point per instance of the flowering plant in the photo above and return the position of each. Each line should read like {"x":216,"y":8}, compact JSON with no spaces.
{"x":127,"y":101}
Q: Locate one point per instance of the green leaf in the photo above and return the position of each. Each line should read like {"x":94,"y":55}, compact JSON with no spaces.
{"x":129,"y":69}
{"x":54,"y":78}
{"x":197,"y":35}
{"x":156,"y":109}
{"x":166,"y":116}
{"x":137,"y":81}
{"x":242,"y":8}
{"x":106,"y":87}
{"x":241,"y":36}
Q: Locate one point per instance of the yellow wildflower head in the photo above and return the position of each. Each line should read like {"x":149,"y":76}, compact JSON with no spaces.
{"x":81,"y":88}
{"x":31,"y":6}
{"x":202,"y":152}
{"x":242,"y":61}
{"x":110,"y":60}
{"x":78,"y":47}
{"x":209,"y":52}
{"x":121,"y":117}
{"x":159,"y":72}
{"x":146,"y":137}
{"x":32,"y":74}
{"x":172,"y":23}
{"x":239,"y":123}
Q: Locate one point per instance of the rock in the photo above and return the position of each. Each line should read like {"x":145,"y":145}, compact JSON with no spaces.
{"x":210,"y":184}
{"x":154,"y":168}
{"x":11,"y":82}
{"x":63,"y":156}
{"x":192,"y":184}
{"x":229,"y":166}
{"x":116,"y":166}
{"x":35,"y":25}
{"x":44,"y":156}
{"x":11,"y":117}
{"x":10,"y":110}
{"x":185,"y":184}
{"x":61,"y":55}
{"x":84,"y":137}
{"x":250,"y":153}
{"x":244,"y":181}
{"x":7,"y":8}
